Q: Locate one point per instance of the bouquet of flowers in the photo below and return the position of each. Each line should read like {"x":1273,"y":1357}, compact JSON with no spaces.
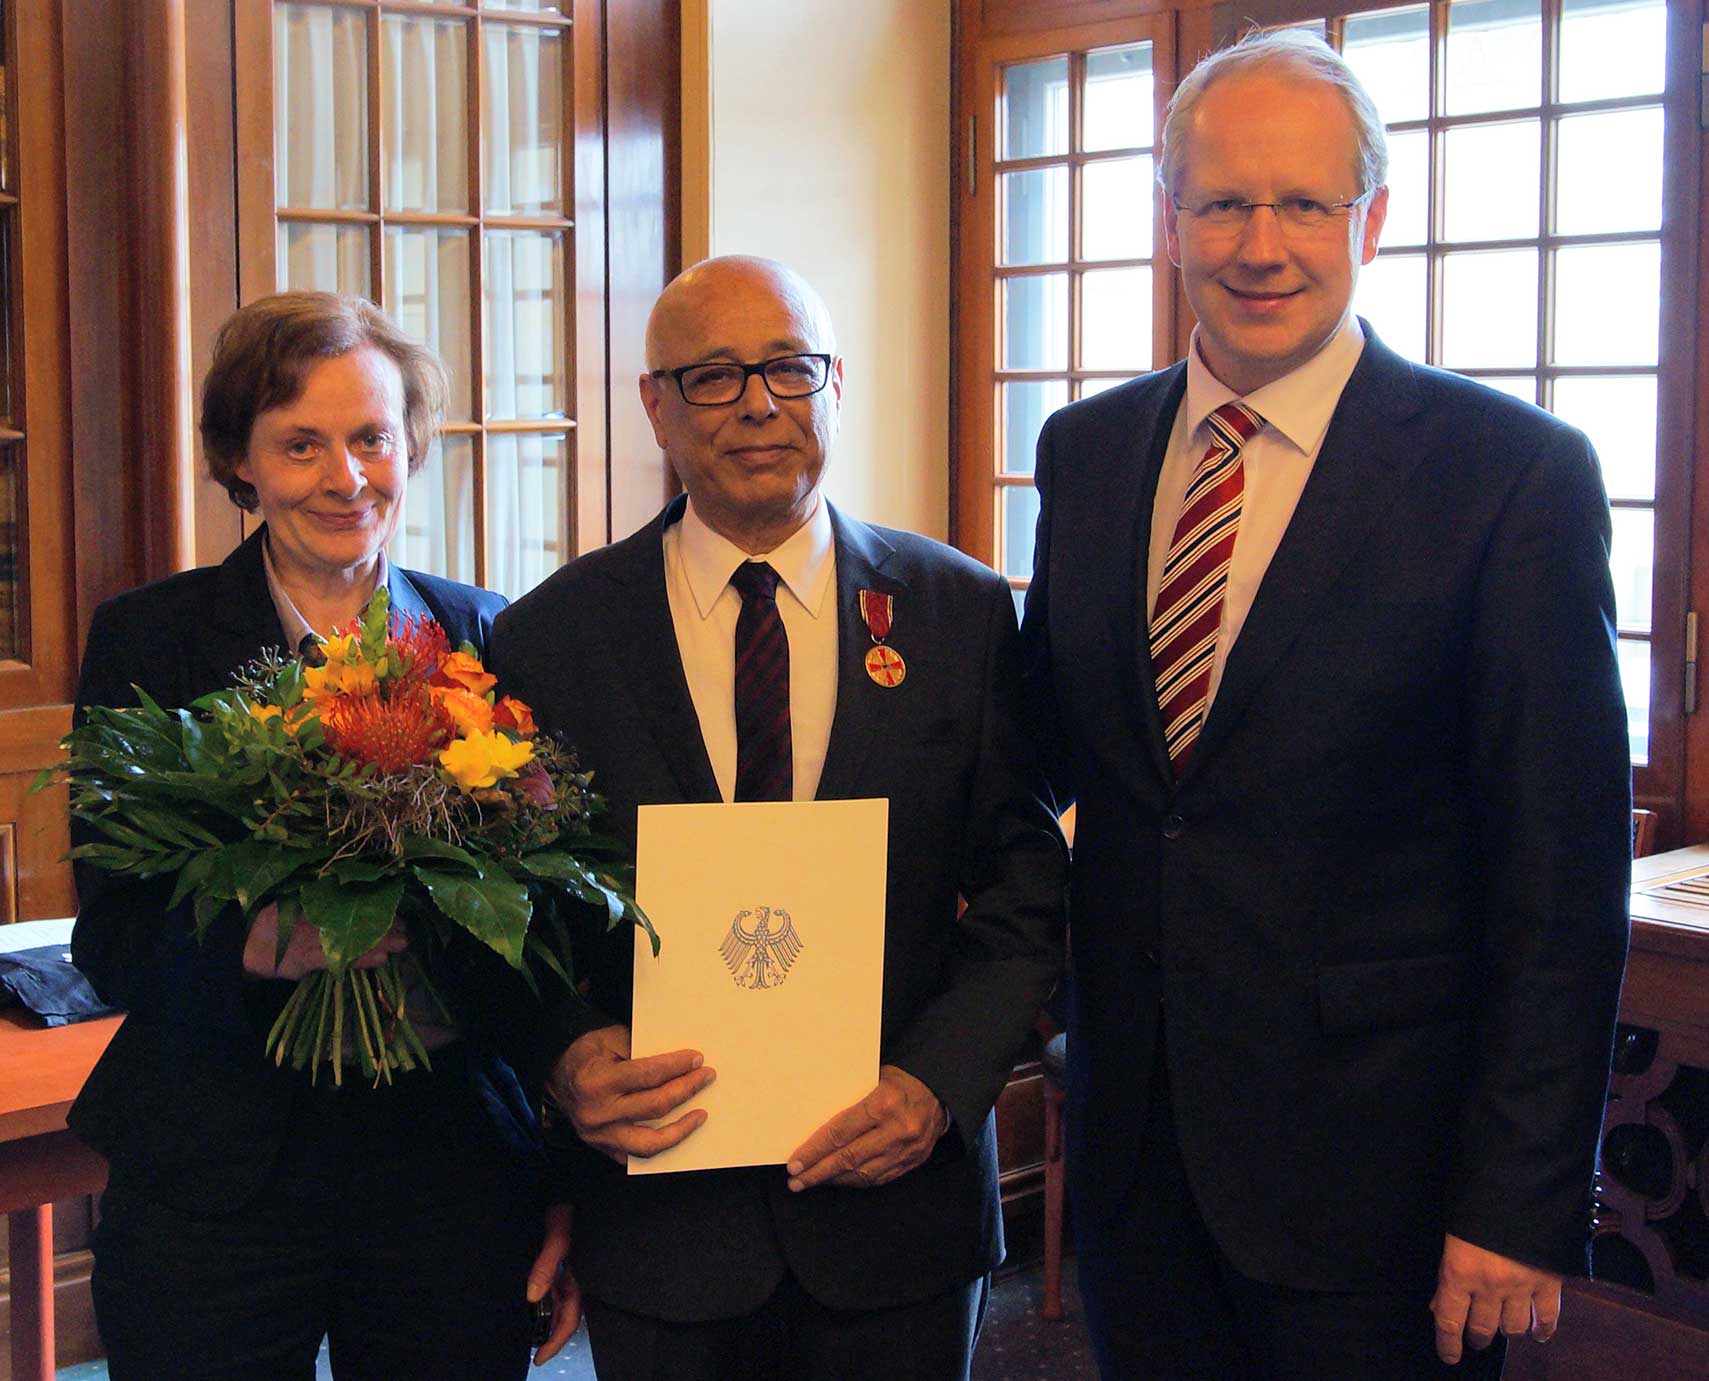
{"x":382,"y":782}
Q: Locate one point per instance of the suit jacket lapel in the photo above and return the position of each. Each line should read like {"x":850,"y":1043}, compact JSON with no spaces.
{"x":243,"y":620}
{"x":406,"y":600}
{"x":635,"y":620}
{"x":1132,"y":618}
{"x":862,"y":558}
{"x":1356,"y":476}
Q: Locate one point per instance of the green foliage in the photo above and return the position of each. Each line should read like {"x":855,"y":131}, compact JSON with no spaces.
{"x":241,"y":800}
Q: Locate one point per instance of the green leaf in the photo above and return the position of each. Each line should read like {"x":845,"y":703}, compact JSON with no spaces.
{"x":494,"y":910}
{"x":360,"y":869}
{"x":193,"y":875}
{"x":420,"y":846}
{"x":352,"y":917}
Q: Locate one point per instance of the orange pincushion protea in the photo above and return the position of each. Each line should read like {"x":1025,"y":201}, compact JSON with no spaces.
{"x":421,"y":645}
{"x":390,"y":731}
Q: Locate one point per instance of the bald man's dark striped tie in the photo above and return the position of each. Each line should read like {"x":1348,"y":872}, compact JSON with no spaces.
{"x":765,"y":767}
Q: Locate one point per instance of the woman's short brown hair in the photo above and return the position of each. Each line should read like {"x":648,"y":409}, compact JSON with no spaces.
{"x":264,"y":351}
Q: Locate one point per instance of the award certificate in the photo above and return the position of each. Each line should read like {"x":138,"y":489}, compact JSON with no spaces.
{"x":771,"y":965}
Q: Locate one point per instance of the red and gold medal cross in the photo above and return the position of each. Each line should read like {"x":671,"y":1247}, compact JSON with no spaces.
{"x":883,"y":664}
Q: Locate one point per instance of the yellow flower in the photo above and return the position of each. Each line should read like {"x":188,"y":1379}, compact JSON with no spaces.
{"x":460,"y":669}
{"x":339,"y":678}
{"x":470,"y":713}
{"x":265,"y":712}
{"x":482,"y":760}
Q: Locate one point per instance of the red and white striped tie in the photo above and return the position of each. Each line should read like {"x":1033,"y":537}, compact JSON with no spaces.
{"x":1188,"y":613}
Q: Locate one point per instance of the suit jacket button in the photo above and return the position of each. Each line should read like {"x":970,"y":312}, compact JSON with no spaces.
{"x":1172,"y":826}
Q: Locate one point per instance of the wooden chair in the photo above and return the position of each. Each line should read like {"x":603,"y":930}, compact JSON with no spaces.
{"x":1643,"y":833}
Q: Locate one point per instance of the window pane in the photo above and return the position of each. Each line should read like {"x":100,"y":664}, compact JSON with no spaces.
{"x":1120,"y":111}
{"x":1035,"y":322}
{"x":11,"y":552}
{"x":1619,"y":416}
{"x":330,"y":257}
{"x":523,"y":315}
{"x":1608,"y":304}
{"x":1116,"y":209}
{"x":1495,"y":55}
{"x":1035,"y":216}
{"x":1591,"y":146}
{"x":1634,"y":561}
{"x":1091,"y":387}
{"x":1489,"y":309}
{"x":437,"y":534}
{"x":1025,"y":406}
{"x":427,"y":294}
{"x":1390,"y":51}
{"x":1017,"y":520}
{"x":1035,"y":108}
{"x":1390,"y":296}
{"x":1612,"y":48}
{"x":527,"y":510}
{"x":552,"y":6}
{"x":425,"y":91}
{"x":1520,"y":386}
{"x":1635,"y":681}
{"x":1408,"y":220}
{"x":1489,"y":181}
{"x":1115,"y":319}
{"x":522,"y":107}
{"x":320,"y":107}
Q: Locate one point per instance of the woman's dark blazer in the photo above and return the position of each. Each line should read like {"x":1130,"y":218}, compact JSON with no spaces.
{"x":183,"y":1103}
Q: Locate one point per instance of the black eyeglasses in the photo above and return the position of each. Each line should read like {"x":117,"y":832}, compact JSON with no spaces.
{"x":721,"y":383}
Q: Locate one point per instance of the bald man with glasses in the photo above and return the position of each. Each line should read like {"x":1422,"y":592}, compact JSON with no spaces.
{"x":755,"y":643}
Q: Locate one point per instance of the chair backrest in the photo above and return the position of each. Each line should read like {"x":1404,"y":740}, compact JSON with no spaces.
{"x":1643,"y":833}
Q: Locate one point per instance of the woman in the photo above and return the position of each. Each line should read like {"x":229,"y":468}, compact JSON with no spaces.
{"x":250,"y":1214}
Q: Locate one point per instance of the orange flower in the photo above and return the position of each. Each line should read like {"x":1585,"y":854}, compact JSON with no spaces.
{"x":510,"y":713}
{"x":420,"y":646}
{"x":469,"y":712}
{"x":391,"y":732}
{"x":460,"y":669}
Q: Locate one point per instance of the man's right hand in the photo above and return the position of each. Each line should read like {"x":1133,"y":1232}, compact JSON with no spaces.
{"x":608,"y":1097}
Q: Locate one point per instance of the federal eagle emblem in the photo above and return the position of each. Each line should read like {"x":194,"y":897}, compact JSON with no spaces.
{"x":761,"y":947}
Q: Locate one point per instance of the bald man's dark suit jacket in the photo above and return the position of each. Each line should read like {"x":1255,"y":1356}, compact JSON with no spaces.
{"x":1381,"y":918}
{"x":594,"y":652}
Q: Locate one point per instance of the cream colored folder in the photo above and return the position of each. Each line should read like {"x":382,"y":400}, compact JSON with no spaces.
{"x":771,"y":918}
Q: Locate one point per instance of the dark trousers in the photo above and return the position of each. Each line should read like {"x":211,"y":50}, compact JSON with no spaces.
{"x":394,"y":1225}
{"x":1164,"y":1304}
{"x":792,"y":1337}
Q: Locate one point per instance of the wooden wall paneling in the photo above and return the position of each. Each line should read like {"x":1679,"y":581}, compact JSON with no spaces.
{"x":107,"y":538}
{"x":590,"y":467}
{"x":1031,"y":16}
{"x":252,"y":32}
{"x":643,"y":249}
{"x":212,"y":181}
{"x":158,"y":187}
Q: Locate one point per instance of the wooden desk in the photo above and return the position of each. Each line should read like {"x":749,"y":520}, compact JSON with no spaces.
{"x":1647,"y":1314}
{"x":41,"y":1071}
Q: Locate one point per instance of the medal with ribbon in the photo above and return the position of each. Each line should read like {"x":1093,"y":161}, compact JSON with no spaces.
{"x":883,"y":664}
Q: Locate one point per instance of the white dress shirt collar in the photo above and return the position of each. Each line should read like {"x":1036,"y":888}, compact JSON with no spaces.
{"x":1299,"y":404}
{"x":290,"y":617}
{"x":802,"y":561}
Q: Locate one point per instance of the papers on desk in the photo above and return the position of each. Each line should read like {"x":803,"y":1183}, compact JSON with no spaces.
{"x":771,"y":917}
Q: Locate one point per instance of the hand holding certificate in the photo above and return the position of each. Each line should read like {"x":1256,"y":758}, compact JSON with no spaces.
{"x":776,"y":976}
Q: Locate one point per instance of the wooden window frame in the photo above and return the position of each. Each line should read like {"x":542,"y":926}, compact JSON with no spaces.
{"x":978,"y":477}
{"x":582,"y":179}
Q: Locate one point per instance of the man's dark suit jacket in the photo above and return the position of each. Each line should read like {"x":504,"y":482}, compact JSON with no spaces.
{"x":183,"y":1099}
{"x":1381,"y":918}
{"x":594,"y":652}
